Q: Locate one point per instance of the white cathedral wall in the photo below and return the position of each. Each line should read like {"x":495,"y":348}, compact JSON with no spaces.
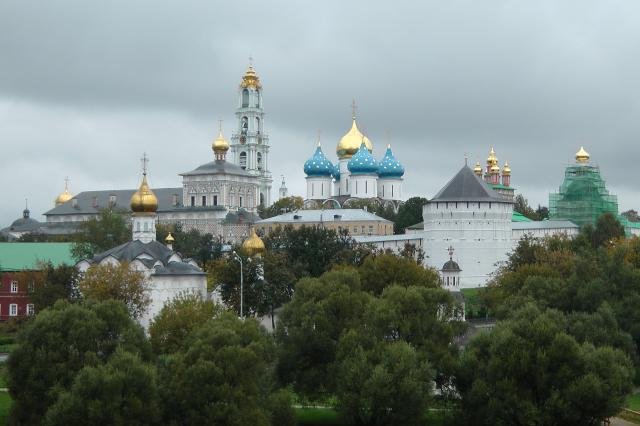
{"x":164,"y":288}
{"x":480,"y":234}
{"x":364,"y":186}
{"x":318,"y":188}
{"x":344,"y":177}
{"x":390,"y":188}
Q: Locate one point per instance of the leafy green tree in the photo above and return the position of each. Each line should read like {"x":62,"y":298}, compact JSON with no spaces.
{"x":380,"y":271}
{"x":283,"y":205}
{"x":122,"y":391}
{"x":117,"y":282}
{"x":191,"y":244}
{"x":55,"y":283}
{"x":314,"y":250}
{"x":109,"y":229}
{"x":420,"y":316}
{"x":409,"y":213}
{"x":217,"y":377}
{"x":381,"y":383}
{"x":530,"y":370}
{"x":607,"y":230}
{"x":631,"y":215}
{"x":58,"y":343}
{"x":310,"y":327}
{"x":177,"y":319}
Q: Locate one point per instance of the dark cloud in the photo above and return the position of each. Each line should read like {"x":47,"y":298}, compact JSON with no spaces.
{"x":86,"y":87}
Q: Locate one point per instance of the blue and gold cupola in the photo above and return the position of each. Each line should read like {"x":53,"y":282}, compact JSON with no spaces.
{"x":362,"y":161}
{"x":389,"y":166}
{"x":318,"y":164}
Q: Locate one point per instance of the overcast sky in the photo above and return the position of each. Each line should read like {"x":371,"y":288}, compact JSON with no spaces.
{"x":87,"y":86}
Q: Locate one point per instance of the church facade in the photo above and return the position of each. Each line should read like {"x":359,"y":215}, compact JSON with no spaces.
{"x":220,"y":197}
{"x":356,"y":175}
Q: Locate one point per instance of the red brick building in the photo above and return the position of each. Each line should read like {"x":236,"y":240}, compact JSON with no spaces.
{"x":19,"y":264}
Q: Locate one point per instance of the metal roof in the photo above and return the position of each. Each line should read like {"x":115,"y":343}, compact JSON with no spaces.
{"x":26,"y":256}
{"x":220,"y":167}
{"x":544,"y":224}
{"x":466,"y":186}
{"x":328,"y":215}
{"x":91,"y":202}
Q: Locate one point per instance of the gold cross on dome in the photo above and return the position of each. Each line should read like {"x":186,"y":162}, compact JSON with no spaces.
{"x":145,"y":161}
{"x":353,"y":109}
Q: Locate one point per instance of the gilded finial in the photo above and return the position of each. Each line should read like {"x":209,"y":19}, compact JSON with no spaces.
{"x":353,"y":109}
{"x":169,"y":238}
{"x":318,"y":137}
{"x":582,"y":156}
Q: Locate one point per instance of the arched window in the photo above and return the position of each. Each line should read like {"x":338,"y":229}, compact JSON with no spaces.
{"x":259,"y":160}
{"x":261,"y":199}
{"x":243,"y":160}
{"x":258,"y":124}
{"x":245,"y":125}
{"x":257,"y":99}
{"x":245,"y":98}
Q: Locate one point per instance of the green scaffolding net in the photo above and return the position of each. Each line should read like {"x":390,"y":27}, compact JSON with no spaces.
{"x":583,"y":196}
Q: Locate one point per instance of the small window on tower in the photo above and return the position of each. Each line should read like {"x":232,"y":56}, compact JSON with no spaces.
{"x":259,"y":160}
{"x":245,"y":98}
{"x":204,"y":200}
{"x":193,"y":201}
{"x":243,"y":160}
{"x":215,"y":200}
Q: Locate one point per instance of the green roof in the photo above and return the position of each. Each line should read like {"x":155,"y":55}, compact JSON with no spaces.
{"x":519,"y":217}
{"x":501,"y":186}
{"x":26,"y":256}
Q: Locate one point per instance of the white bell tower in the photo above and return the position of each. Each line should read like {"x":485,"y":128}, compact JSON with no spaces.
{"x":249,"y":143}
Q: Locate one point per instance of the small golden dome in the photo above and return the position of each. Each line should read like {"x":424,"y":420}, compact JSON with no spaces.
{"x":64,"y":195}
{"x":144,"y":200}
{"x":250,"y":79}
{"x":582,"y":156}
{"x":506,"y":170}
{"x":351,"y":141}
{"x":477,"y":169}
{"x":220,"y":144}
{"x":253,"y":245}
{"x":492,"y":159}
{"x":169,"y":239}
{"x":495,"y":169}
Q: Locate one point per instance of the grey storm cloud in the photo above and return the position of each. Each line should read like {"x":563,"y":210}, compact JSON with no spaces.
{"x":87,"y":87}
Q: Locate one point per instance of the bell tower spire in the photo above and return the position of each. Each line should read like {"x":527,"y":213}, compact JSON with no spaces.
{"x":249,"y":142}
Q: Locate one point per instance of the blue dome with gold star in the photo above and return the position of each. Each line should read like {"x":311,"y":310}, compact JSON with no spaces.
{"x":336,"y":171}
{"x":318,"y":164}
{"x":389,"y":166}
{"x":362,"y":162}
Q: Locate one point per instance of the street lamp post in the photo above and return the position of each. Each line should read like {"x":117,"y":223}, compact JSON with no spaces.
{"x":239,"y":259}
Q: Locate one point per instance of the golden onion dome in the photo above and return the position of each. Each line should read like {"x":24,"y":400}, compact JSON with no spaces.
{"x":220,"y":144}
{"x":351,"y":141}
{"x":495,"y":169}
{"x":169,"y":239}
{"x":64,"y":195}
{"x":144,"y":200}
{"x":582,"y":156}
{"x":250,"y":79}
{"x":477,"y":169}
{"x":492,"y":159}
{"x":506,"y":170}
{"x":253,"y":245}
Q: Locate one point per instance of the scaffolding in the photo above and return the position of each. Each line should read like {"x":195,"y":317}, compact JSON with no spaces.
{"x":583,"y":196}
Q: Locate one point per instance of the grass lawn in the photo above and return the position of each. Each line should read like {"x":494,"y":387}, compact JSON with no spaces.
{"x":472,"y":300}
{"x":5,"y":405}
{"x":317,"y":416}
{"x":3,"y":375}
{"x":633,"y":402}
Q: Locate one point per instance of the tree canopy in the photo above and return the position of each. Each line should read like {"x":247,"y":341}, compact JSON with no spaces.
{"x":109,"y":229}
{"x":59,"y":342}
{"x":117,"y":282}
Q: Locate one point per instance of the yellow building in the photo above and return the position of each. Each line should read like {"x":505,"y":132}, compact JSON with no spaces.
{"x":355,"y":221}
